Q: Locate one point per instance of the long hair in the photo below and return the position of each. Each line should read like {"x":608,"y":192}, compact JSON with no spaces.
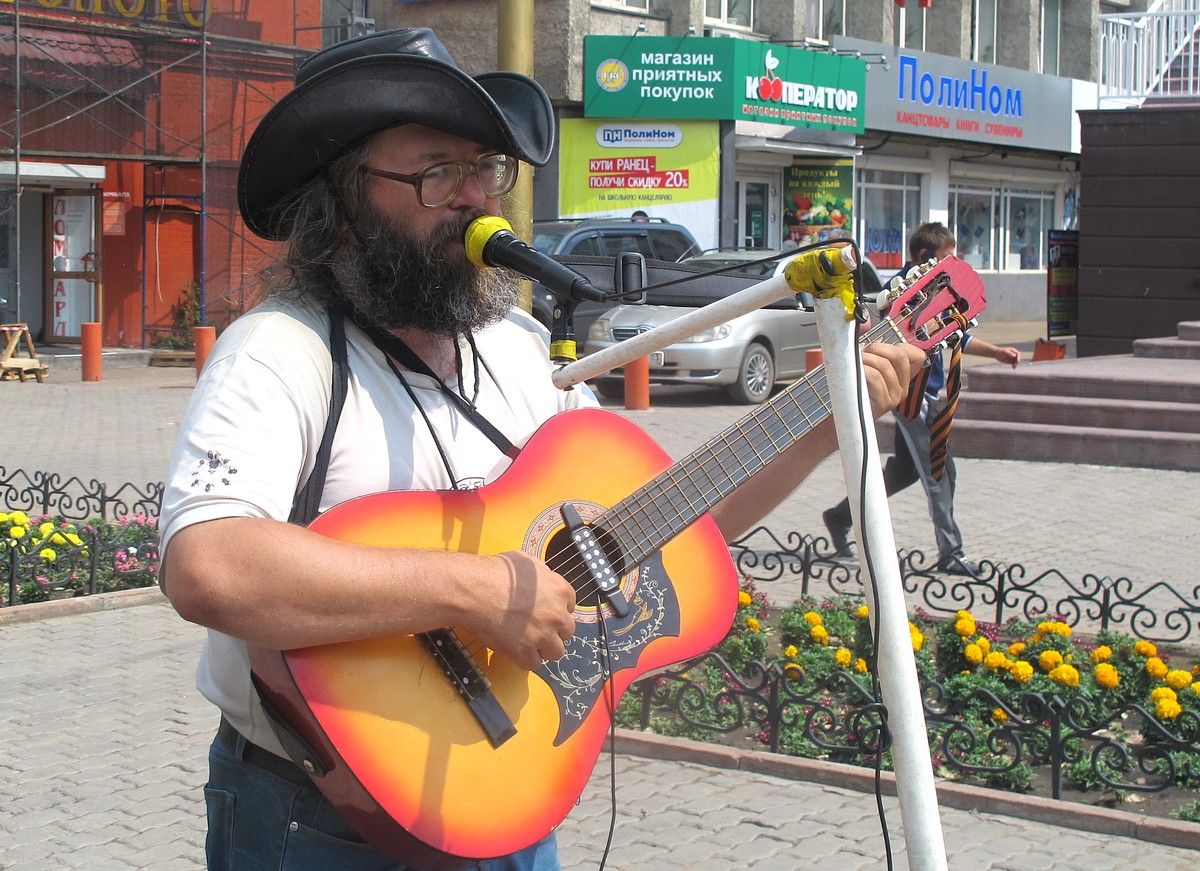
{"x":320,"y":216}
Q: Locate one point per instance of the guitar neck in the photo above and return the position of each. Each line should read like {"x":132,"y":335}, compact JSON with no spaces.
{"x":653,"y":515}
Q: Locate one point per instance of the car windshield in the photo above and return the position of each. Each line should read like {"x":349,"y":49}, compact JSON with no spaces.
{"x":546,"y":239}
{"x":749,"y":268}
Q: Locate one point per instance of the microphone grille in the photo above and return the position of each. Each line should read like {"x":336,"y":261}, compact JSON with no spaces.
{"x":479,"y":233}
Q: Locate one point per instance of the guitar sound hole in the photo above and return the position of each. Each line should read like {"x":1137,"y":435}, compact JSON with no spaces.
{"x":563,"y":556}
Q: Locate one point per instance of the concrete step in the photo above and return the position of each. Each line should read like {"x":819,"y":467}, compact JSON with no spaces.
{"x":1122,"y":376}
{"x":1104,"y":446}
{"x":1085,"y":411}
{"x":69,"y":358}
{"x":1167,"y":346}
{"x":1189,"y":330}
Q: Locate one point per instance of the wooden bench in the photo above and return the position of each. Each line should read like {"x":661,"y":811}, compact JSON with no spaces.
{"x":12,"y":366}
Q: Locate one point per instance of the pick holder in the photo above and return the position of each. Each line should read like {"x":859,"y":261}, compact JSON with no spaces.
{"x":835,"y":307}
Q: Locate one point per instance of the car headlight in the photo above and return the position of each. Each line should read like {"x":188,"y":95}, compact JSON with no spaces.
{"x":721,"y":331}
{"x":600,"y":330}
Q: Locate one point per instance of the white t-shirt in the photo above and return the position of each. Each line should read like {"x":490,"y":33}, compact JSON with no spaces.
{"x":256,"y":419}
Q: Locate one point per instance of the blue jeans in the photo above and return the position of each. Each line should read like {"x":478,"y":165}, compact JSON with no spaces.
{"x":258,"y":820}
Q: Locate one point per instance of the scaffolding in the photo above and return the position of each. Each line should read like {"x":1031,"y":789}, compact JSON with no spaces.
{"x":102,"y":87}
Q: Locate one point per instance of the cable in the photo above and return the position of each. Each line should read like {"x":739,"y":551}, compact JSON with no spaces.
{"x":611,"y":698}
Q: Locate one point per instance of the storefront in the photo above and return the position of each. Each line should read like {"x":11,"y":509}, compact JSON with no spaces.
{"x":990,"y":151}
{"x":761,"y":144}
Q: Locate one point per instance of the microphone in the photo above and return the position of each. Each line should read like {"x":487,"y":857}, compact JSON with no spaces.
{"x":490,"y":241}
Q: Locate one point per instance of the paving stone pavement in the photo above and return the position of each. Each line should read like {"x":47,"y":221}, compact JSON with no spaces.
{"x":102,"y":766}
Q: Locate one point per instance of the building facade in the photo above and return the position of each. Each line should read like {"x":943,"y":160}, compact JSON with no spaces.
{"x":121,"y":126}
{"x":885,"y":116}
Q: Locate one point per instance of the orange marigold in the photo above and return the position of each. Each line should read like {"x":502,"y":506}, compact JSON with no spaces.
{"x":1178,"y":679}
{"x":819,"y":634}
{"x":973,"y":654}
{"x":1155,"y":667}
{"x":1106,"y":676}
{"x":1066,"y":675}
{"x":1145,"y":648}
{"x":1103,"y":653}
{"x":1048,"y":660}
{"x":1022,"y":672}
{"x":744,"y":598}
{"x":1167,"y":709}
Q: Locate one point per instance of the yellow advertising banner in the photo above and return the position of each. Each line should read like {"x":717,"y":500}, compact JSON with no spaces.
{"x":667,"y":169}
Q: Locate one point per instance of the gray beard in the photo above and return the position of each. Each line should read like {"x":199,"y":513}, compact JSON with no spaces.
{"x":393,"y":279}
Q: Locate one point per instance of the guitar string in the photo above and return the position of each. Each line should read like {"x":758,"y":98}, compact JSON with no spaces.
{"x":648,"y":503}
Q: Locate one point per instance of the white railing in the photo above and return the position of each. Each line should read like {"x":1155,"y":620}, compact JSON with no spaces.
{"x":1154,"y":53}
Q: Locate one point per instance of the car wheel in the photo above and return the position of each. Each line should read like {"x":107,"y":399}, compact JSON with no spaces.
{"x":756,"y":376}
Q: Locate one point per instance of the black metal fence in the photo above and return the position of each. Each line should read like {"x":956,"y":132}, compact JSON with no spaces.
{"x":48,"y":493}
{"x":1002,"y":743}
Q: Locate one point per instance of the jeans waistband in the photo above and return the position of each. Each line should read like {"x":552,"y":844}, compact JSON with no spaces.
{"x":254,"y":755}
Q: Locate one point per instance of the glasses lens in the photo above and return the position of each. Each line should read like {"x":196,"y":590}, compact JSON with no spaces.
{"x":497,"y":173}
{"x":440,"y":182}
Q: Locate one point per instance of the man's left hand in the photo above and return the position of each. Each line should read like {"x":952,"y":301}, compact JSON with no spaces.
{"x":889,"y":370}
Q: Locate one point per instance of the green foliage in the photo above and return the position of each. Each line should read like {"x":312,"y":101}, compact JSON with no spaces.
{"x":1189,"y":812}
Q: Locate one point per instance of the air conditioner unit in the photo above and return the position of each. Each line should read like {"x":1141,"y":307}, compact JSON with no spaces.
{"x":352,"y":26}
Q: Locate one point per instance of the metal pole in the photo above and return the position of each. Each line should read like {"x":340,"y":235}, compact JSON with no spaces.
{"x":204,"y":168}
{"x":17,"y":156}
{"x":515,"y":52}
{"x":898,"y":684}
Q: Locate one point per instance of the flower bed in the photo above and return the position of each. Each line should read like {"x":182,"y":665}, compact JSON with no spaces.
{"x":46,"y":557}
{"x":1023,"y":706}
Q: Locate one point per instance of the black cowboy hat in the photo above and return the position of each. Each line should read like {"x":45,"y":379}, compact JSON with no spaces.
{"x":351,"y":90}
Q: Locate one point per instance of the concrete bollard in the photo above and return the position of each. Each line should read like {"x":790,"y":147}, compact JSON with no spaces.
{"x":204,"y":338}
{"x":91,"y":346}
{"x":637,"y":384}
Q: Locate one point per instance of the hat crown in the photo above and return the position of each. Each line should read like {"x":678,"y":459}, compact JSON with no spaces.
{"x":415,"y":41}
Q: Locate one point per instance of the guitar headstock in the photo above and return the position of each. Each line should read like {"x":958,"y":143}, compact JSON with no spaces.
{"x":937,"y":301}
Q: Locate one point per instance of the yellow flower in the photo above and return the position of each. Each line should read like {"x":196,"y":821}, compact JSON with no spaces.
{"x":1048,"y":660}
{"x":860,"y":665}
{"x":752,"y":624}
{"x":1022,"y":672}
{"x":1196,"y":687}
{"x":1167,"y":709}
{"x":1016,"y":648}
{"x":861,"y":612}
{"x":963,"y":615}
{"x":1106,"y":676}
{"x":46,"y":528}
{"x":47,"y":554}
{"x":1178,"y":679}
{"x":744,"y":598}
{"x":18,"y":518}
{"x":1159,"y":693}
{"x":1067,"y":675}
{"x":813,"y":618}
{"x":74,"y":539}
{"x":984,"y":644}
{"x":1155,"y":667}
{"x":999,"y":716}
{"x":843,"y":657}
{"x":964,"y":626}
{"x":4,"y":517}
{"x":916,"y":636}
{"x":973,"y":654}
{"x":790,"y":651}
{"x":819,"y":634}
{"x":996,"y":660}
{"x":1145,"y":648}
{"x":1102,"y":653}
{"x":17,"y":532}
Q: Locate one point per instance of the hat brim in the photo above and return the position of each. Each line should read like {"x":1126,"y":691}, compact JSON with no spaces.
{"x":327,"y":115}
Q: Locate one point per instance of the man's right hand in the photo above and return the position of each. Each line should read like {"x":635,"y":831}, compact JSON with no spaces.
{"x":528,"y":615}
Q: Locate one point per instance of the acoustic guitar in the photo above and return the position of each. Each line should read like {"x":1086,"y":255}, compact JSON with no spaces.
{"x":439,"y":751}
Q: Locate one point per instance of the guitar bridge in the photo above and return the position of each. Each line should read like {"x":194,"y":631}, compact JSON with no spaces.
{"x":471,"y":683}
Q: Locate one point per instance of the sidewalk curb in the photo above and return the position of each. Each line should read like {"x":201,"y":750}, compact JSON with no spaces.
{"x":1069,"y":815}
{"x":34,"y":611}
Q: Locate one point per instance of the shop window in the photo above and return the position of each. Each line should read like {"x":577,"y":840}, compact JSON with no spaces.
{"x":1002,"y":228}
{"x":1051,"y":31}
{"x":983,"y":30}
{"x":910,"y":26}
{"x":825,"y":18}
{"x":737,"y":12}
{"x":888,"y":211}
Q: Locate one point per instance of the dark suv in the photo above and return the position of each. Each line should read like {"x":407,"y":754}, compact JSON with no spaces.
{"x":655,"y":239}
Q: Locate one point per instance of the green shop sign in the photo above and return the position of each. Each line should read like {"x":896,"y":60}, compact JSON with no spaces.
{"x":727,"y":79}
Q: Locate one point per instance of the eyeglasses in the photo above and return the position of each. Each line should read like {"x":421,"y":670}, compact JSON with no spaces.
{"x":439,"y":184}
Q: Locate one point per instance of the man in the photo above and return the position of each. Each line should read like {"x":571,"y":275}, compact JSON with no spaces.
{"x":370,"y":169}
{"x":911,"y":461}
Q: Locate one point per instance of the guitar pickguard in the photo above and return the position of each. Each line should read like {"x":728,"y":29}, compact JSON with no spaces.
{"x":577,"y":678}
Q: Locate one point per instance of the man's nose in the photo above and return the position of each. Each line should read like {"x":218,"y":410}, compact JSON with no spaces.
{"x":470,"y":195}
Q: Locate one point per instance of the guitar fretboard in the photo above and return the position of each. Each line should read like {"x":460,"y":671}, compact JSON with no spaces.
{"x":653,"y":515}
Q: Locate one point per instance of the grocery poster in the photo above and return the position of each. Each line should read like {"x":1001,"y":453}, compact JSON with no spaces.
{"x":818,"y":199}
{"x":667,"y":169}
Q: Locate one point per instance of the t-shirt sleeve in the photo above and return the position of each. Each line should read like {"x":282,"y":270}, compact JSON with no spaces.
{"x":244,"y":444}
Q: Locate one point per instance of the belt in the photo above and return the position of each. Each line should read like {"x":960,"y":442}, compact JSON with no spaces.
{"x":254,"y":755}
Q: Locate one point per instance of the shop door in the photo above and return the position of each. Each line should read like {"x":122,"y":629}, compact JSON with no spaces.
{"x":73,"y":263}
{"x":756,"y":215}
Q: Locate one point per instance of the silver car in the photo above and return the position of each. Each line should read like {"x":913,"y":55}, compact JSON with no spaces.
{"x":747,"y":355}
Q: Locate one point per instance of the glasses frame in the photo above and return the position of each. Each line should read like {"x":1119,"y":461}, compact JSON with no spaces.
{"x":466,"y":169}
